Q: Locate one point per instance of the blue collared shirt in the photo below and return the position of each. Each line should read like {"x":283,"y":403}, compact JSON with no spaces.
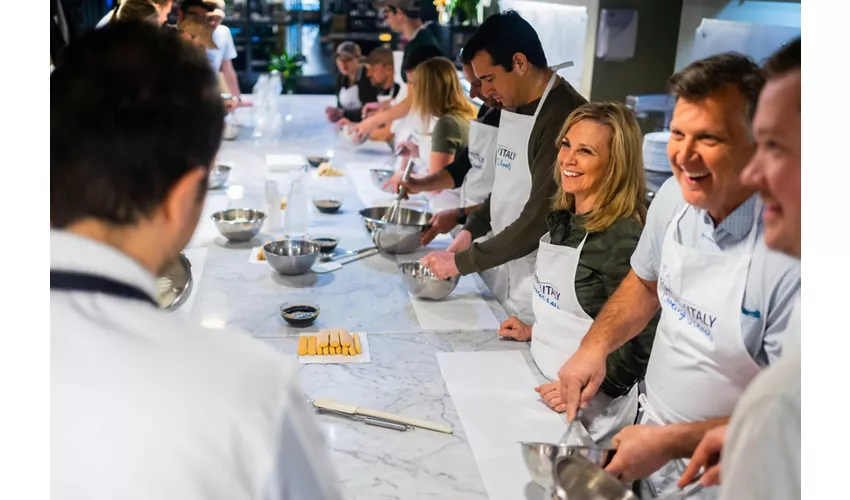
{"x":772,"y":283}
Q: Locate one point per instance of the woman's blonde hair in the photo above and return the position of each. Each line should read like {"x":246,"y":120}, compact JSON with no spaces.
{"x":438,"y":92}
{"x":622,"y":194}
{"x":137,"y":10}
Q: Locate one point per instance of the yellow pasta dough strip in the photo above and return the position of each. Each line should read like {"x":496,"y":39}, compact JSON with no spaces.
{"x":324,"y":338}
{"x":334,"y":338}
{"x":311,"y":346}
{"x":302,"y":346}
{"x":356,"y":339}
{"x":344,"y":338}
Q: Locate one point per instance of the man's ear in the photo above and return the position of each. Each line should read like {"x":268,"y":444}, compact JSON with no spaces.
{"x":520,"y":63}
{"x":185,"y":195}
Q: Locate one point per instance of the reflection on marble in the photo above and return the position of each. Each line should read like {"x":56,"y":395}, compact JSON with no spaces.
{"x":368,"y":295}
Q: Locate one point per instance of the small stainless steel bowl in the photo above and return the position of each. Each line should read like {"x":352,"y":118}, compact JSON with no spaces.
{"x":315,"y":161}
{"x":328,"y":204}
{"x":175,"y":284}
{"x":299,"y":315}
{"x":576,"y":478}
{"x":290,"y":256}
{"x":424,"y":285}
{"x":380,"y":176}
{"x":396,"y":238}
{"x":540,"y":458}
{"x":218,"y":176}
{"x":238,"y":224}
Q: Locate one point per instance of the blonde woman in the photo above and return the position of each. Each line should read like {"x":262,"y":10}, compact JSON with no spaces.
{"x":138,"y":10}
{"x":598,"y":214}
{"x":441,"y":107}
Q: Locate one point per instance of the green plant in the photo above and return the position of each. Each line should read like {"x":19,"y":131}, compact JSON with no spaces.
{"x":288,"y":66}
{"x":468,"y":8}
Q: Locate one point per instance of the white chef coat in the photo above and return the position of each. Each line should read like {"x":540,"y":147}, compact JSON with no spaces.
{"x":226,"y":49}
{"x":144,"y":405}
{"x":761,"y":456}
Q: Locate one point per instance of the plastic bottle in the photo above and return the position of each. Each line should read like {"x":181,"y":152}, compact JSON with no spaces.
{"x":296,"y":218}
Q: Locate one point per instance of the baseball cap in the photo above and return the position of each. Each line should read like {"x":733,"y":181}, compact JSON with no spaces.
{"x":349,"y":50}
{"x":217,"y":8}
{"x":411,"y":7}
{"x":419,"y":55}
{"x":379,"y":55}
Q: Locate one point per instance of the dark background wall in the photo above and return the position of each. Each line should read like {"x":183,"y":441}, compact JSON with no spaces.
{"x":655,"y":55}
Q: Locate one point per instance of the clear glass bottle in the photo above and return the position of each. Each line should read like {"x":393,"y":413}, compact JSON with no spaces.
{"x":297,"y":213}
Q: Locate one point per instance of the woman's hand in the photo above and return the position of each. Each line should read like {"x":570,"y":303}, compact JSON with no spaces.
{"x":393,"y":182}
{"x":370,"y":108}
{"x":333,"y":114}
{"x":461,"y":242}
{"x":551,"y":394}
{"x":407,"y":148}
{"x":514,"y":328}
{"x":706,"y":455}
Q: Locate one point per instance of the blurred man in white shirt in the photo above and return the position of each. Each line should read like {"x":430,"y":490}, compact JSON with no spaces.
{"x":142,"y":404}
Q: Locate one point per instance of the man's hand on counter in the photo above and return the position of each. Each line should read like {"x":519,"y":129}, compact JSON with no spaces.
{"x":441,"y":223}
{"x":580,"y":378}
{"x":442,"y":264}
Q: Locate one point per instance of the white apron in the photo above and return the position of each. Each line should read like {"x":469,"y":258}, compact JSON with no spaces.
{"x":511,"y":189}
{"x":446,"y":199}
{"x":699,"y":365}
{"x":560,"y":324}
{"x":398,"y":59}
{"x":349,"y":98}
{"x":478,"y":182}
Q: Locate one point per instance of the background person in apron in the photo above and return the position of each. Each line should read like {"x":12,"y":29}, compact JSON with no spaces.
{"x":473,"y":169}
{"x":438,"y":96}
{"x":109,"y":239}
{"x":725,"y":298}
{"x":760,"y":453}
{"x":353,"y":87}
{"x":513,"y":70}
{"x":596,"y":222}
{"x":405,"y":18}
{"x":380,"y":70}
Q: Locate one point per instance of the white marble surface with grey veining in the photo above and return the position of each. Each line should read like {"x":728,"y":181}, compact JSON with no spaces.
{"x":367,"y":295}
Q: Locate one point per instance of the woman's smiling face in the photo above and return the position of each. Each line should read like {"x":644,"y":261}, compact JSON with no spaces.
{"x":583,"y":158}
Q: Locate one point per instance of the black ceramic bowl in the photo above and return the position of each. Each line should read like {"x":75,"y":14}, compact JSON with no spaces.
{"x":327,"y":244}
{"x":327,"y":204}
{"x":315,"y":161}
{"x":299,"y":315}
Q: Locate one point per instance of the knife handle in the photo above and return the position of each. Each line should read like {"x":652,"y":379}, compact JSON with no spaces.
{"x":447,"y":429}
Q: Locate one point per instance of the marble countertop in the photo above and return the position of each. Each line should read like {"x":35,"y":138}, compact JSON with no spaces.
{"x":367,"y":295}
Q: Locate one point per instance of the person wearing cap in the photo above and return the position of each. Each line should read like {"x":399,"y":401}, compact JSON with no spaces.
{"x":222,"y":57}
{"x":380,"y":68}
{"x":353,"y":87}
{"x":404,"y":18}
{"x":163,"y":8}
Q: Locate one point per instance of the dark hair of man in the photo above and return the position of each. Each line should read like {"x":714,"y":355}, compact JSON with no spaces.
{"x":419,"y":55}
{"x":703,"y":78}
{"x":502,"y":35}
{"x":133,"y":108}
{"x":185,"y":4}
{"x":784,"y":60}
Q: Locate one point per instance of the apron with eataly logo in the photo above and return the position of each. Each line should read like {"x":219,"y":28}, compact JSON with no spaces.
{"x":560,"y":324}
{"x":478,"y":182}
{"x":699,"y":365}
{"x":511,"y":189}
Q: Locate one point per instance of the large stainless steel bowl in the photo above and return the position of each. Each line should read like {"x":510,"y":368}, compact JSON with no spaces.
{"x":396,"y":238}
{"x":290,"y":256}
{"x":380,"y":176}
{"x":540,"y":458}
{"x":577,"y":478}
{"x":175,"y":284}
{"x":238,"y":224}
{"x":424,"y":285}
{"x":218,"y":176}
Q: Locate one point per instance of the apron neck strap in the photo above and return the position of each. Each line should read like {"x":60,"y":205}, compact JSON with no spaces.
{"x":549,"y":86}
